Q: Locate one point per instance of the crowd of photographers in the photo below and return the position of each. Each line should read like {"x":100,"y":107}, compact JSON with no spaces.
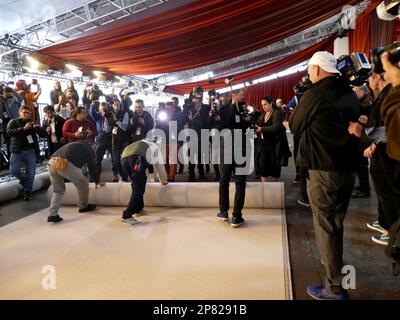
{"x":345,"y":119}
{"x":111,"y":125}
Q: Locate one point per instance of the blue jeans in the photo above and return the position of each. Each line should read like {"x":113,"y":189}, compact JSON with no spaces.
{"x":27,"y":159}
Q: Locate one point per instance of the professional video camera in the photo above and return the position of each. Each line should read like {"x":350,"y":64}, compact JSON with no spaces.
{"x":394,"y":56}
{"x":251,"y":112}
{"x":304,"y":85}
{"x":355,"y":68}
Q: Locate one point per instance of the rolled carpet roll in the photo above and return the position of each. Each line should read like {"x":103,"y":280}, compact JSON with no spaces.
{"x":11,"y":190}
{"x":187,"y":195}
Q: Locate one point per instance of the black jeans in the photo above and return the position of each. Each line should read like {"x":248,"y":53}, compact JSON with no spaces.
{"x":303,"y":177}
{"x":105,"y":144}
{"x":385,"y":173}
{"x":139,"y":179}
{"x":240,"y":192}
{"x":363,"y":174}
{"x":198,"y":159}
{"x":117,"y":149}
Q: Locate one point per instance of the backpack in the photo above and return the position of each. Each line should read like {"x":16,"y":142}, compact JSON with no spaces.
{"x":393,"y":249}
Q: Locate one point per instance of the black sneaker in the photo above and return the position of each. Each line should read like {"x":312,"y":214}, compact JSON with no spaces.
{"x":223,"y":215}
{"x":237,"y":222}
{"x":180,"y":171}
{"x":217,"y":177}
{"x":89,"y":207}
{"x":54,"y":219}
{"x":27,"y":197}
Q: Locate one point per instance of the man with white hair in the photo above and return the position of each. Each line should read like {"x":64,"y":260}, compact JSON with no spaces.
{"x":330,"y":153}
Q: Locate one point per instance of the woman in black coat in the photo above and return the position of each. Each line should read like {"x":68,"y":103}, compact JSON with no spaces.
{"x":269,"y":129}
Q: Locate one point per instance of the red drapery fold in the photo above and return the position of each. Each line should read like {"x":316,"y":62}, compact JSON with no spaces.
{"x":360,"y":37}
{"x":277,"y":88}
{"x":194,"y":35}
{"x":280,"y":65}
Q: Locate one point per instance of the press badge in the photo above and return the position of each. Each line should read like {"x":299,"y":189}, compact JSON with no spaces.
{"x":30,"y":139}
{"x":115,"y":130}
{"x":138,"y":131}
{"x":237,"y":119}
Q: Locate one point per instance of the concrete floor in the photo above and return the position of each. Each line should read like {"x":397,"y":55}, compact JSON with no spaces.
{"x":373,"y":268}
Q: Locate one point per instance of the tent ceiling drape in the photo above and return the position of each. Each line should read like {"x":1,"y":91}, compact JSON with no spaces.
{"x":194,"y":35}
{"x":290,"y":61}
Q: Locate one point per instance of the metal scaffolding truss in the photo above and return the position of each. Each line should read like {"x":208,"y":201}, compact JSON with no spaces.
{"x":61,"y":27}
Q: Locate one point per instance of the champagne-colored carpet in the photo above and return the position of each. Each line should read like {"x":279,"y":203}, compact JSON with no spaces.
{"x":175,"y":253}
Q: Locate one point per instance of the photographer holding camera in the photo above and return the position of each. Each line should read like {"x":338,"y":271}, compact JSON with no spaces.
{"x":24,"y":148}
{"x":197,"y":119}
{"x":329,"y":152}
{"x":232,"y":116}
{"x":53,"y":125}
{"x":215,"y":123}
{"x":79,"y":128}
{"x":120,"y":139}
{"x":126,"y":101}
{"x":90,"y":94}
{"x":141,"y":122}
{"x":11,"y":104}
{"x":102,"y":114}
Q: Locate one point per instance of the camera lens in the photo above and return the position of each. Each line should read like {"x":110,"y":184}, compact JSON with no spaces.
{"x":376,"y":59}
{"x":394,"y":56}
{"x":394,"y":52}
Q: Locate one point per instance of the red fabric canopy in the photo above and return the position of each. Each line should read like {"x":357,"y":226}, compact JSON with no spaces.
{"x":280,"y":65}
{"x":360,"y":37}
{"x":194,"y":35}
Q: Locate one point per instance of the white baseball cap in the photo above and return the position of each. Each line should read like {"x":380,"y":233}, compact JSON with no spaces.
{"x":325,"y":60}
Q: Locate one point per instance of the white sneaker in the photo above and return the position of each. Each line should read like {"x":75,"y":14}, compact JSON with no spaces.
{"x":131,"y":221}
{"x":138,"y":214}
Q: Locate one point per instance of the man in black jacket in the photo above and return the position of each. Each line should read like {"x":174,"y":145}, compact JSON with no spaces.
{"x":198,"y":120}
{"x":141,"y":122}
{"x":24,"y":149}
{"x":228,"y":118}
{"x":121,"y":122}
{"x":330,"y":153}
{"x":53,"y":125}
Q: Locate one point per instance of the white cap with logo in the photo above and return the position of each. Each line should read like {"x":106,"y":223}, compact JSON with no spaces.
{"x":325,"y":60}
